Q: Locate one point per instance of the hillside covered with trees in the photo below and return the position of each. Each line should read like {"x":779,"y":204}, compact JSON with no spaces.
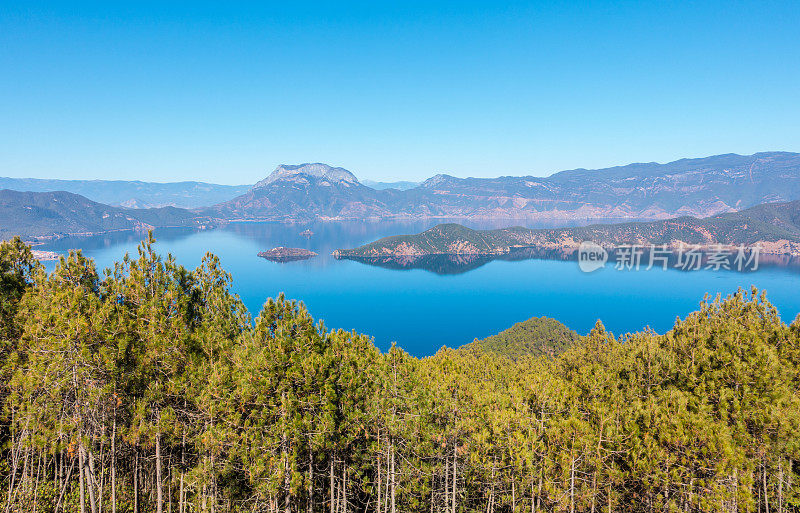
{"x":48,"y":215}
{"x":538,"y":336}
{"x":773,"y":226}
{"x":149,"y":388}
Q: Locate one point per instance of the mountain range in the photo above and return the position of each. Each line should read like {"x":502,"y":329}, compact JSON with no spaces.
{"x":298,"y":193}
{"x":133,"y":194}
{"x":401,"y":185}
{"x":696,"y":187}
{"x":45,"y":215}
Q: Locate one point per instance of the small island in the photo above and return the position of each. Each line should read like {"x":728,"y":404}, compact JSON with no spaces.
{"x":306,"y":233}
{"x":281,"y":254}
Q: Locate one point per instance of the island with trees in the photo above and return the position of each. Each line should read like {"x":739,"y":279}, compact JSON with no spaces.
{"x":282,"y":254}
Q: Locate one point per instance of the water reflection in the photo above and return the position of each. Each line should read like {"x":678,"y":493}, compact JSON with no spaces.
{"x":462,"y":263}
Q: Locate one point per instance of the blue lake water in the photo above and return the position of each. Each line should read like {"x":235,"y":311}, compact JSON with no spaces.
{"x":423,"y":310}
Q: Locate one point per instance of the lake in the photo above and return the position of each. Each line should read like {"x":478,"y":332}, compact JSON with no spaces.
{"x":429,"y":306}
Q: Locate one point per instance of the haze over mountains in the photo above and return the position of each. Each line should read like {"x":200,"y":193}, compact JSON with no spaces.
{"x":696,"y":187}
{"x":43,"y":215}
{"x":133,"y":194}
{"x":299,"y":193}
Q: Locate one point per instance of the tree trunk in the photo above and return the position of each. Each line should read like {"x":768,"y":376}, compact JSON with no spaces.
{"x":539,"y":492}
{"x":764,"y":480}
{"x":333,"y":488}
{"x":455,"y":475}
{"x":780,"y":486}
{"x":446,"y":482}
{"x":378,"y":503}
{"x":90,"y":482}
{"x":64,"y":485}
{"x":82,"y":485}
{"x":136,"y":482}
{"x":513,"y":494}
{"x":159,"y":487}
{"x":572,"y":485}
{"x":310,"y":480}
{"x":344,"y":488}
{"x":114,"y":464}
{"x":394,"y":481}
{"x":181,"y":493}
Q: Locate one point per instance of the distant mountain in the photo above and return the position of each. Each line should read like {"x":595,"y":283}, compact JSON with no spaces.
{"x":133,"y":194}
{"x":697,"y":187}
{"x":774,"y":226}
{"x":305,"y":192}
{"x":400,"y":186}
{"x":538,"y":336}
{"x":44,"y":215}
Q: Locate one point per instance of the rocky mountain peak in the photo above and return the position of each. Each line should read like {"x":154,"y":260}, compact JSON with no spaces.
{"x":436,"y":180}
{"x":316,"y":170}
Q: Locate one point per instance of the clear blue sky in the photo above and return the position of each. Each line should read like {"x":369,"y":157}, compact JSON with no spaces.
{"x":224,"y":92}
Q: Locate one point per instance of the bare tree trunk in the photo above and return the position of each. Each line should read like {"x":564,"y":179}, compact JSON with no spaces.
{"x":114,"y":464}
{"x":310,"y":479}
{"x":181,"y":493}
{"x":539,"y":492}
{"x":333,"y":488}
{"x":780,"y":486}
{"x":159,"y":487}
{"x":446,"y":482}
{"x":102,"y":484}
{"x":170,"y":465}
{"x":136,"y":482}
{"x":455,"y":475}
{"x":81,"y":479}
{"x":378,"y":503}
{"x":489,"y":503}
{"x":513,"y":494}
{"x":572,"y":485}
{"x":764,"y":480}
{"x":64,"y":486}
{"x":90,"y":482}
{"x":394,"y":480}
{"x":14,"y":463}
{"x":344,"y":488}
{"x":36,"y":483}
{"x":25,"y":465}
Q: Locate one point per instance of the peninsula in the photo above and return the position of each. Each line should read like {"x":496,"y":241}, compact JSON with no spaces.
{"x":775,"y":227}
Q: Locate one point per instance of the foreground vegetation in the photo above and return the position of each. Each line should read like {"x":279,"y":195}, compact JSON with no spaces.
{"x":149,"y":388}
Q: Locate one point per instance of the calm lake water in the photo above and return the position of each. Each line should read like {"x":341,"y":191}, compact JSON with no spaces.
{"x":423,"y":309}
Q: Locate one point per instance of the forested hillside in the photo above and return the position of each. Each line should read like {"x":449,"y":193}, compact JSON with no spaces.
{"x":46,"y":215}
{"x":773,"y":226}
{"x":538,"y":336}
{"x":149,"y":388}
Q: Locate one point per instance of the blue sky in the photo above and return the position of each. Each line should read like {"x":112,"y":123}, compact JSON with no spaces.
{"x":225,"y":91}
